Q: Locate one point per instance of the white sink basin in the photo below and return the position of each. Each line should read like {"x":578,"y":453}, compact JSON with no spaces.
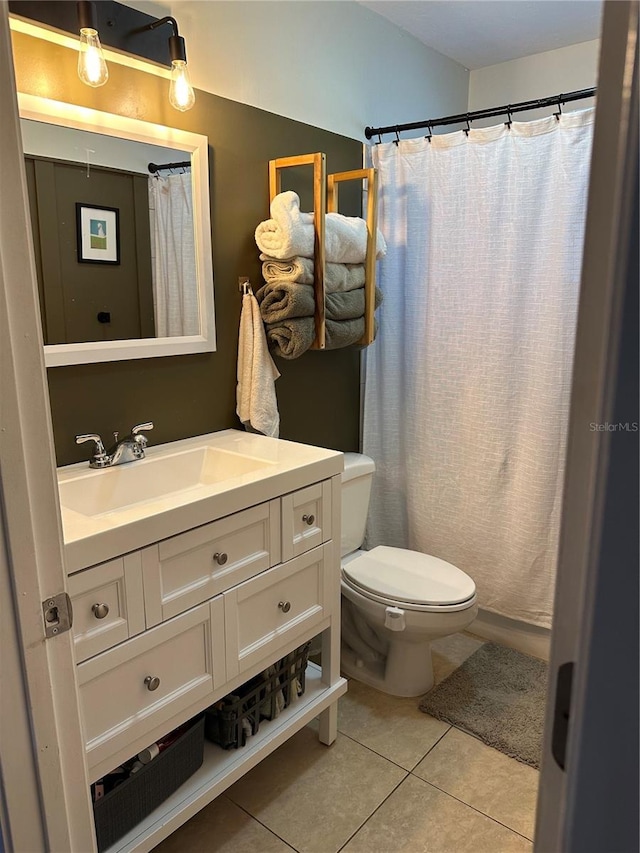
{"x":97,"y":493}
{"x":178,"y":486}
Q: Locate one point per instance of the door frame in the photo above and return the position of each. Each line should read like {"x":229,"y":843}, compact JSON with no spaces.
{"x":45,"y":789}
{"x":591,"y":619}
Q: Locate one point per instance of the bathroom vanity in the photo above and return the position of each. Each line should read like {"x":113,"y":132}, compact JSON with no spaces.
{"x":190,"y":572}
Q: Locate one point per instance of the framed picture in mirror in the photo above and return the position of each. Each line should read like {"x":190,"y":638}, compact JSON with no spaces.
{"x":98,"y":232}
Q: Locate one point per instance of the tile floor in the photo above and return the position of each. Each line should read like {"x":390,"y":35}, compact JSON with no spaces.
{"x":395,"y":781}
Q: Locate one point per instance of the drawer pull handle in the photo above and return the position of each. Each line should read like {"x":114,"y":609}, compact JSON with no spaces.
{"x":100,"y":610}
{"x":152,"y":682}
{"x":309,"y":519}
{"x":220,"y":559}
{"x":285,"y":606}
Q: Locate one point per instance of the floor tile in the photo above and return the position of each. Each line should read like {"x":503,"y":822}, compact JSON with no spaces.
{"x":390,"y":725}
{"x":491,"y":782}
{"x":417,"y":818}
{"x":222,"y":827}
{"x":449,"y":652}
{"x":313,"y":796}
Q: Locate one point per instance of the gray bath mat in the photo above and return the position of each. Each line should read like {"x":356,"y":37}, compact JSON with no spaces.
{"x":498,"y":695}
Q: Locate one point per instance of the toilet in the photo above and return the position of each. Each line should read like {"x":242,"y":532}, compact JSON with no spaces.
{"x":395,"y":602}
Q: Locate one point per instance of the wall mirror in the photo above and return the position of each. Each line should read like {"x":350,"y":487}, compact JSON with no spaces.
{"x":123,"y":255}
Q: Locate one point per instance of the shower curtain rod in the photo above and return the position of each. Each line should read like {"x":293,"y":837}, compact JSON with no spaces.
{"x":155,"y":167}
{"x":508,"y":109}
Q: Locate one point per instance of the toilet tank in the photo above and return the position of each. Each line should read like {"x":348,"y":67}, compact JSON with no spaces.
{"x":356,"y":490}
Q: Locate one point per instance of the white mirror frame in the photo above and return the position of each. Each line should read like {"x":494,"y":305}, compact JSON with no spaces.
{"x":82,"y":118}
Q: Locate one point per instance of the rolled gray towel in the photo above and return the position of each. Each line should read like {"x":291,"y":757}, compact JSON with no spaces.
{"x":291,"y":338}
{"x":337,"y":277}
{"x":284,"y":300}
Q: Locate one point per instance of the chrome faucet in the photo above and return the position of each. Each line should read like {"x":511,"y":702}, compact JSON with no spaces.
{"x":126,"y":450}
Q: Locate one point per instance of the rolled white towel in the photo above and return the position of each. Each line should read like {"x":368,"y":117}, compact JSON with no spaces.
{"x":290,"y":232}
{"x":337,"y":277}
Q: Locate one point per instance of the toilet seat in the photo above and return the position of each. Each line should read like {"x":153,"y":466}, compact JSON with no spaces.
{"x":401,"y":578}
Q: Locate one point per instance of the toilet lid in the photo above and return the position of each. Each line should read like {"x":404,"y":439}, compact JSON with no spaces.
{"x":409,"y":576}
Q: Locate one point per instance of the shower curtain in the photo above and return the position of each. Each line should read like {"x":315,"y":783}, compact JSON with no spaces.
{"x":173,"y":256}
{"x":468,"y":383}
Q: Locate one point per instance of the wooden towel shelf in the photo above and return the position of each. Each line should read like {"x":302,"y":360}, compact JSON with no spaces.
{"x":325,"y":200}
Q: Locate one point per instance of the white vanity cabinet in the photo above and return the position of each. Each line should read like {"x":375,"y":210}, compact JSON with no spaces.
{"x":163,"y":631}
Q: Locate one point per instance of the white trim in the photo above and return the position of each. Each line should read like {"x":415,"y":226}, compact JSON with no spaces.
{"x":71,"y":115}
{"x":32,"y":518}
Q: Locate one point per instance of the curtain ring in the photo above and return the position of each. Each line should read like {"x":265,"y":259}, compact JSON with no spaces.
{"x":430,"y":133}
{"x":379,"y":138}
{"x":397,"y":139}
{"x":508,"y":122}
{"x":468,"y":127}
{"x":559,"y":113}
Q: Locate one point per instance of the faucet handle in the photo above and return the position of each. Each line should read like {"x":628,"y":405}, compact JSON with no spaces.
{"x":99,"y":458}
{"x":136,"y":430}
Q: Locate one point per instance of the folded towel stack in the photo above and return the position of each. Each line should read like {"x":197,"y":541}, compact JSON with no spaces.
{"x":287,"y":300}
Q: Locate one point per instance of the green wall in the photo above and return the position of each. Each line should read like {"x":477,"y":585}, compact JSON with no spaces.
{"x":318,"y":394}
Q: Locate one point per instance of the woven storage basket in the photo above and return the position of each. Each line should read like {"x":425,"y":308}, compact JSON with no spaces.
{"x":121,"y":809}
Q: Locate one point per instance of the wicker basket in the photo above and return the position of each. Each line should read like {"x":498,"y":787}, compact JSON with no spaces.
{"x":231,"y":720}
{"x":121,"y":809}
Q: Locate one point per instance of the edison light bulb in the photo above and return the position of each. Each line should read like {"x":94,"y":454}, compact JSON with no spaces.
{"x":181,"y":94}
{"x":92,"y":69}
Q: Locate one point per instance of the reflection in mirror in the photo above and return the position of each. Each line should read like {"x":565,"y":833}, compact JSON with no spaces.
{"x":114,"y":242}
{"x":122,"y":252}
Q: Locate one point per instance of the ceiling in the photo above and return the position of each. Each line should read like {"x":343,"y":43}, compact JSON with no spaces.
{"x":477,"y":33}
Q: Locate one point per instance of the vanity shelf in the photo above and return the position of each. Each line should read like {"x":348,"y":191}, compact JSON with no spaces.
{"x":221,"y":768}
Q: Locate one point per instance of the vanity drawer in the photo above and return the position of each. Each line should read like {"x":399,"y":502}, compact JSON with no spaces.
{"x":268,"y":611}
{"x":190,"y":568}
{"x":127,"y":691}
{"x":108,"y":605}
{"x":306,"y":519}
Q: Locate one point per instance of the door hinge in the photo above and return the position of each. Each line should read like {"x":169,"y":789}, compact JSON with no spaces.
{"x":57,"y":613}
{"x":561,"y":715}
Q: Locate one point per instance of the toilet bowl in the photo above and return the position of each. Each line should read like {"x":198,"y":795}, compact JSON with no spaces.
{"x":395,"y":602}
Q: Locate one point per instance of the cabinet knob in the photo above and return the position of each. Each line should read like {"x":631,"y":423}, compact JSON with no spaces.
{"x":220,"y":559}
{"x":152,"y":682}
{"x":100,"y":610}
{"x":309,"y":519}
{"x":285,"y":606}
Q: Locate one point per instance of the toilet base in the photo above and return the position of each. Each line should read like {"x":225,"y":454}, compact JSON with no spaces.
{"x":407,"y":670}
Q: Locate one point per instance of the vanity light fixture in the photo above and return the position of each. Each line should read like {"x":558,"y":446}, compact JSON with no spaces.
{"x":92,"y":68}
{"x":181,"y":94}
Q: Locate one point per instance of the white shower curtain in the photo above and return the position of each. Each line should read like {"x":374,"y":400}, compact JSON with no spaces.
{"x":173,"y":257}
{"x":468,"y":383}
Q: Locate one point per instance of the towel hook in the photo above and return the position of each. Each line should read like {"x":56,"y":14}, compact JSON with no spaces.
{"x":397,"y":139}
{"x":468,"y":127}
{"x":559,"y":113}
{"x":509,"y":122}
{"x":244,"y":285}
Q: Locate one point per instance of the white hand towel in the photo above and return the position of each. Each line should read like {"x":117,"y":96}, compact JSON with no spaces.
{"x":257,"y":406}
{"x":289,"y":232}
